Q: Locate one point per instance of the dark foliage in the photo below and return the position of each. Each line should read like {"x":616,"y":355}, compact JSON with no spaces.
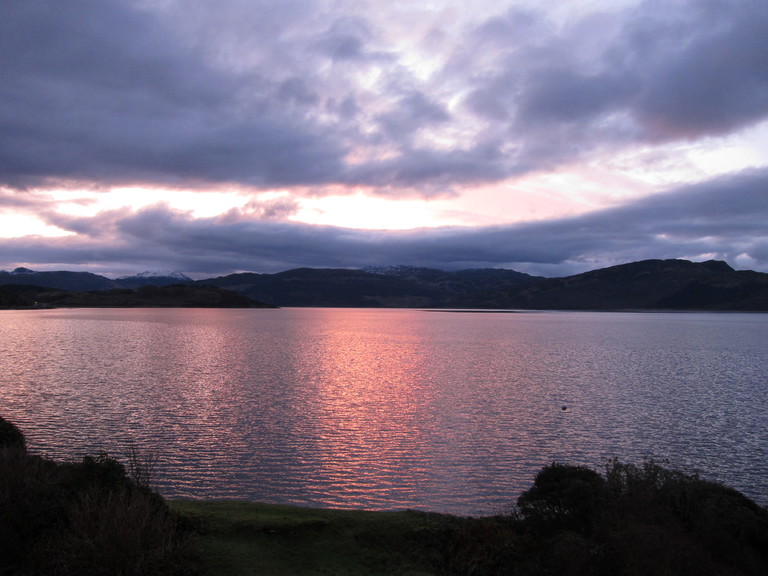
{"x":148,"y":296}
{"x":86,"y":518}
{"x":562,"y":497}
{"x":9,"y":299}
{"x":10,"y":435}
{"x":633,"y":520}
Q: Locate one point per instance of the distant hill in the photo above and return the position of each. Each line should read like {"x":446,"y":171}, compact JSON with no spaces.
{"x":644,"y":285}
{"x":458,"y":284}
{"x":62,"y":280}
{"x":395,"y":286}
{"x":65,"y":280}
{"x":173,"y":296}
{"x":164,"y":278}
{"x":330,"y":287}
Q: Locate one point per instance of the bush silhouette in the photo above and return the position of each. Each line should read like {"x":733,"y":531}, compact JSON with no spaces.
{"x":562,"y":496}
{"x":83,"y":518}
{"x":656,"y":516}
{"x":11,"y":436}
{"x":633,"y":520}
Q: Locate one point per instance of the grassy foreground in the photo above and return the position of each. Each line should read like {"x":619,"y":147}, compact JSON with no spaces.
{"x":237,"y":538}
{"x":632,"y":520}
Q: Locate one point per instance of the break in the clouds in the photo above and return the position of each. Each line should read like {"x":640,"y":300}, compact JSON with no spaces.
{"x":721,"y":219}
{"x":283,"y":103}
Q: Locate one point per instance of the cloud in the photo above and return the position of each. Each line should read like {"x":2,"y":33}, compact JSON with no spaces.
{"x":723,"y":218}
{"x":313,"y":97}
{"x":713,"y":79}
{"x":12,"y":199}
{"x":268,"y":94}
{"x":271,"y":209}
{"x":653,"y":73}
{"x":347,"y":38}
{"x":412,"y":112}
{"x":103,"y":92}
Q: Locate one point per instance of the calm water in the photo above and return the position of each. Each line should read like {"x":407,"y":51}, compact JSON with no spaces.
{"x":388,"y":409}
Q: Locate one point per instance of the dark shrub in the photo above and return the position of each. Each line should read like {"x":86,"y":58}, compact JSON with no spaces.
{"x":10,"y":435}
{"x":654,"y":520}
{"x":83,"y":518}
{"x":117,"y":532}
{"x":636,"y":520}
{"x":699,"y":526}
{"x":562,"y":497}
{"x":30,"y":504}
{"x":101,"y":471}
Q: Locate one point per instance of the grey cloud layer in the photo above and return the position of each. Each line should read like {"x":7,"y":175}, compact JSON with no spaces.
{"x":269,"y":94}
{"x":301,"y":95}
{"x":101,"y":92}
{"x":723,"y":218}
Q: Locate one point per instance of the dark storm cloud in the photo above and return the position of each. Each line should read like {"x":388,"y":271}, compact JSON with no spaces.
{"x":722,"y":218}
{"x":657,"y":72}
{"x":99,"y":91}
{"x":412,"y":112}
{"x":269,"y":94}
{"x":716,"y":81}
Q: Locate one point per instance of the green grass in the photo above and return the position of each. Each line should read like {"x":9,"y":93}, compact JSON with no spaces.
{"x":632,"y":520}
{"x":251,"y":538}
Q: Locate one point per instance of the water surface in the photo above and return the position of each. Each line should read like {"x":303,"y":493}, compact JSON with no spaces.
{"x":387,"y":409}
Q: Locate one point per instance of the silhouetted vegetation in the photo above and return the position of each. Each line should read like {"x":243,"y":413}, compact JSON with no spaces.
{"x":148,"y":296}
{"x":11,"y":436}
{"x":634,"y":520}
{"x":86,"y":518}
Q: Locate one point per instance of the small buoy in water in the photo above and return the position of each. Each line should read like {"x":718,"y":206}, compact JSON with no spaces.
{"x":563,"y":407}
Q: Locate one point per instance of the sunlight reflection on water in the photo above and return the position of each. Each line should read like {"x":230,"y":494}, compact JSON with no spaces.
{"x":387,"y":409}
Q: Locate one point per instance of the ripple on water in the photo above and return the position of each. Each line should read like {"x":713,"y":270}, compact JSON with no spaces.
{"x":388,"y":408}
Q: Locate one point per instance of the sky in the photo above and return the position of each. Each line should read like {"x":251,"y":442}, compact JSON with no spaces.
{"x":262,"y":135}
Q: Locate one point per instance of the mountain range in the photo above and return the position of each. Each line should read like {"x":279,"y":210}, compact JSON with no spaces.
{"x":644,"y":285}
{"x":66,"y":280}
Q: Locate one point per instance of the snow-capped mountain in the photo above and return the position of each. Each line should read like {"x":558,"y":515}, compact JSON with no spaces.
{"x":156,"y":277}
{"x":159,"y":274}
